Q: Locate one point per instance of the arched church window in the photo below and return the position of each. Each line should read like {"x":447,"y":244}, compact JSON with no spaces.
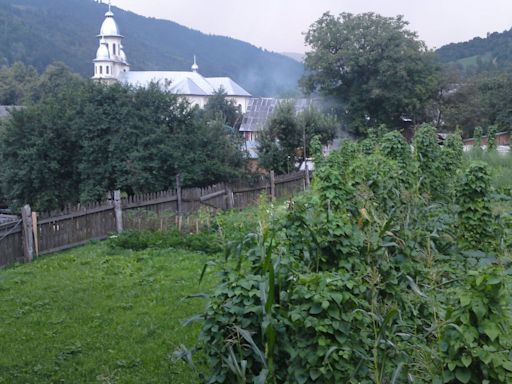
{"x":101,"y":69}
{"x":108,"y":69}
{"x":114,"y":48}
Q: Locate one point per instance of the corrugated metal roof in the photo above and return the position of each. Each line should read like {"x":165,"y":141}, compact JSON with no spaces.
{"x":258,"y":112}
{"x":183,"y":83}
{"x":260,"y":109}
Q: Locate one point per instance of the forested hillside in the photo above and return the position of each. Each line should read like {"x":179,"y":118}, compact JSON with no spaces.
{"x":40,"y":32}
{"x":479,"y":54}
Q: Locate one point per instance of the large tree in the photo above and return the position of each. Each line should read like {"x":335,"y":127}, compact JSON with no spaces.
{"x":220,"y":107}
{"x":373,"y":65}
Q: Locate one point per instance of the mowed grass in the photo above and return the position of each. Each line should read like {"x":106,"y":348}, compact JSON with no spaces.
{"x":94,"y":315}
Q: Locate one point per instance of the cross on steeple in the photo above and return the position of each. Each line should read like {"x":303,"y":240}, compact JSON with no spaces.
{"x":109,"y":5}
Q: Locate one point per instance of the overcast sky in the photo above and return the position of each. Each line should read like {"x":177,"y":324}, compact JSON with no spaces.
{"x":278,"y":25}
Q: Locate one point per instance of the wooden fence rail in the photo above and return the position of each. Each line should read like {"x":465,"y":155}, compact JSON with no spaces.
{"x":35,"y":234}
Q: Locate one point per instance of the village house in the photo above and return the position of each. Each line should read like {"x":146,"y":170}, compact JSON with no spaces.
{"x":111,"y":65}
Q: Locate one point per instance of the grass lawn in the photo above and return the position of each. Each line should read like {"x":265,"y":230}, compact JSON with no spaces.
{"x":94,"y":315}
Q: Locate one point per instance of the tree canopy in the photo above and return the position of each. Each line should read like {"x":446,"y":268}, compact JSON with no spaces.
{"x":220,"y":107}
{"x":482,"y":100}
{"x":21,"y":84}
{"x":85,"y":139}
{"x":281,"y":142}
{"x":373,"y":65}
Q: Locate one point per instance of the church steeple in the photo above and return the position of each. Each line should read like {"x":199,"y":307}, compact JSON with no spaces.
{"x":110,"y":59}
{"x":195,"y":67}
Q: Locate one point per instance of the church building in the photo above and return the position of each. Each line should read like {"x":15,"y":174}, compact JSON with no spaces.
{"x":111,"y":65}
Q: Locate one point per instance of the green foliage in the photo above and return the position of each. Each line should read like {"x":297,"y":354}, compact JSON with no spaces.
{"x":373,"y":65}
{"x":21,"y":84}
{"x":329,"y":329}
{"x":453,"y":152}
{"x":479,"y":54}
{"x":315,"y":123}
{"x":88,"y":139}
{"x":280,"y":139}
{"x":500,"y":166}
{"x":354,"y":281}
{"x":480,"y":100}
{"x":223,"y":109}
{"x":16,"y":83}
{"x":491,"y":137}
{"x":476,"y":342}
{"x":428,"y":155}
{"x":281,"y":143}
{"x":476,"y":223}
{"x":234,"y":306}
{"x":395,"y":147}
{"x":139,"y":240}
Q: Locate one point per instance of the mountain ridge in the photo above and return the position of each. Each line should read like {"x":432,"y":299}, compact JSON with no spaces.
{"x":39,"y":33}
{"x":479,"y":53}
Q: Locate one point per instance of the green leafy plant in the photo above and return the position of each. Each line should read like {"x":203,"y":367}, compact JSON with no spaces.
{"x":475,"y":218}
{"x":491,"y":137}
{"x":476,"y":341}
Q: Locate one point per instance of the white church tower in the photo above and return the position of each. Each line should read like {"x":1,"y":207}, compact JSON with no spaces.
{"x":110,"y":59}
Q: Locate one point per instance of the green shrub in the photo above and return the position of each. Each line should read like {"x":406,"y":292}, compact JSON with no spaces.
{"x":206,"y":242}
{"x":476,"y":341}
{"x":329,"y":331}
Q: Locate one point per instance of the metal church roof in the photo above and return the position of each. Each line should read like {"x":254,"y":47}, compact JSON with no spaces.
{"x":183,"y":83}
{"x":229,"y":86}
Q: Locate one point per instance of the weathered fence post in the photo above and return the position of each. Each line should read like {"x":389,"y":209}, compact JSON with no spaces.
{"x":28,"y":236}
{"x":118,"y":211}
{"x":35,"y":233}
{"x":306,"y":174}
{"x":178,"y":194}
{"x":230,"y":196}
{"x":179,"y":201}
{"x":272,"y":185}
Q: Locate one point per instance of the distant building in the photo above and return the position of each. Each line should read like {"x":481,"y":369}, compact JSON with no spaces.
{"x":111,"y":65}
{"x":259,"y":111}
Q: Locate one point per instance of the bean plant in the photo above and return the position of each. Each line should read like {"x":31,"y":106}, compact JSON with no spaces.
{"x":387,"y":270}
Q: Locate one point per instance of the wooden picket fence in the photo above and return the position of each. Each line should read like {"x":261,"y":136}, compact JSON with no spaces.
{"x":33,"y":234}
